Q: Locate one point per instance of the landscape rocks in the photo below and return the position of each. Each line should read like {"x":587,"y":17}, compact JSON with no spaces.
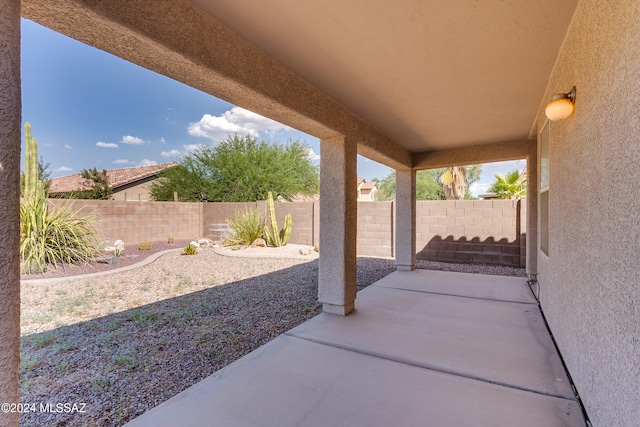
{"x":259,"y":243}
{"x":205,"y":243}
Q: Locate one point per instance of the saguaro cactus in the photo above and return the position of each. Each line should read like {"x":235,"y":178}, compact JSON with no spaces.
{"x":31,"y":177}
{"x":273,"y":236}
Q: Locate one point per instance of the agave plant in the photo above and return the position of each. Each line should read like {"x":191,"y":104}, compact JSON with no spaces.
{"x":189,"y":250}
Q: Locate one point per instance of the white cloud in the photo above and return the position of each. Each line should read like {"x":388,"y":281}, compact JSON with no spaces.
{"x":171,"y":153}
{"x":122,"y":162}
{"x":192,"y":147}
{"x":162,"y":140}
{"x":478,"y":188}
{"x":63,"y":169}
{"x":235,"y":121}
{"x":67,"y":146}
{"x":132,"y":140}
{"x":106,"y":145}
{"x":504,"y":167}
{"x":312,"y":154}
{"x":147,"y":162}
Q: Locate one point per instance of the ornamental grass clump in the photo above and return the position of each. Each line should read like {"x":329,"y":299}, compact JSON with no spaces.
{"x":53,"y":236}
{"x":247,"y":226}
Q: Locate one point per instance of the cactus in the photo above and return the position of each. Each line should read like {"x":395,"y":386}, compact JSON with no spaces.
{"x":31,"y":178}
{"x":285,"y":233}
{"x":273,"y":236}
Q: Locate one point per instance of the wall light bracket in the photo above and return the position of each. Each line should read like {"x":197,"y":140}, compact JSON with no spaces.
{"x":561,"y":105}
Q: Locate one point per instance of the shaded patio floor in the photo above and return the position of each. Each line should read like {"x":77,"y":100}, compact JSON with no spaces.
{"x":424,"y":348}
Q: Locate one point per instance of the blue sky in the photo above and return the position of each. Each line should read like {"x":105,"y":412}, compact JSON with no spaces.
{"x":88,"y":109}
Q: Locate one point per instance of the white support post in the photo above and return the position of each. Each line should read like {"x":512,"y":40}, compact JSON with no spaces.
{"x":338,"y":222}
{"x":405,"y":219}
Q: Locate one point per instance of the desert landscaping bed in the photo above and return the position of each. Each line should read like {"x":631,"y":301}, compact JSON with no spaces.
{"x":125,"y":342}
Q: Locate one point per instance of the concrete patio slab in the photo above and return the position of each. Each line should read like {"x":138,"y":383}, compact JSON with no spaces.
{"x":501,"y":342}
{"x":485,"y":286}
{"x":293,"y":382}
{"x":407,"y":356}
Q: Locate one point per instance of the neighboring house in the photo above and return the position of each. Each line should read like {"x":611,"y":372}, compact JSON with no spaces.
{"x":366,"y":190}
{"x":127,"y":183}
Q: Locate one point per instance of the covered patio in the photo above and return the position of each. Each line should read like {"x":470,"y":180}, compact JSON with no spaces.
{"x":413,"y":85}
{"x":423,"y":348}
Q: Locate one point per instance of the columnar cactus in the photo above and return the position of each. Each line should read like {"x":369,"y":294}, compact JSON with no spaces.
{"x":31,"y":177}
{"x":273,"y":236}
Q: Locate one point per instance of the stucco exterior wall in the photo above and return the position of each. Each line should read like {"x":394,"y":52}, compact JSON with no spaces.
{"x":10,"y":125}
{"x":137,"y":192}
{"x":590,"y":281}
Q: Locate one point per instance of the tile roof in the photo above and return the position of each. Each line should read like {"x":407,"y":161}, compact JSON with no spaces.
{"x":369,"y":185}
{"x":116,"y":177}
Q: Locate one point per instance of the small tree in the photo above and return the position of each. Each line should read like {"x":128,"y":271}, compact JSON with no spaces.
{"x":97,"y":183}
{"x":453,"y":182}
{"x":240,"y":169}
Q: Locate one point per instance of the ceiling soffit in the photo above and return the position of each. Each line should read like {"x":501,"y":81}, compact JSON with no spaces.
{"x":429,"y":74}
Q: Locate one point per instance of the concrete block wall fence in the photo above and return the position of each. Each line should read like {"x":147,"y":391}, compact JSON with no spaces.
{"x":471,"y":231}
{"x":134,"y":222}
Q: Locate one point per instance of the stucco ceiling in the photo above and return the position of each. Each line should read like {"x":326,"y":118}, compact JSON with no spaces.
{"x":430,"y":74}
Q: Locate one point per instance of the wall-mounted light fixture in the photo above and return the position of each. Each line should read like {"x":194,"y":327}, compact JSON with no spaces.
{"x":561,"y":105}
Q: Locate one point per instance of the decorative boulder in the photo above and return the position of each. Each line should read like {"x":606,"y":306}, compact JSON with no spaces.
{"x":305,"y":251}
{"x":195,"y":244}
{"x":259,"y":243}
{"x":205,"y":243}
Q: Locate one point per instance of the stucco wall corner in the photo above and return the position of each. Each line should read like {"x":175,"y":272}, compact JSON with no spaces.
{"x":10,"y":125}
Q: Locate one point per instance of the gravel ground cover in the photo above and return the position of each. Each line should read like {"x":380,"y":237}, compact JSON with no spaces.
{"x":125,"y":342}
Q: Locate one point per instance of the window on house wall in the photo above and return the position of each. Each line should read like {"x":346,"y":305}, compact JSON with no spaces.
{"x":544,"y":189}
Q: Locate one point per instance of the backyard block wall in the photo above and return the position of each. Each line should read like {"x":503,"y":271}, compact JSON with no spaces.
{"x":215,"y":214}
{"x":376,"y":229}
{"x":470,"y":231}
{"x":134,"y":222}
{"x":304,"y":215}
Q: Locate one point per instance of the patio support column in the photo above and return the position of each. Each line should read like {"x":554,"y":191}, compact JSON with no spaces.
{"x":10,"y":125}
{"x":406,"y":219}
{"x":338,"y":222}
{"x":532,"y":211}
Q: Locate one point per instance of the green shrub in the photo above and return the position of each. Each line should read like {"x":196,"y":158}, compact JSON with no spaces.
{"x":144,"y":246}
{"x":53,"y":236}
{"x":247,"y":226}
{"x":189,"y":250}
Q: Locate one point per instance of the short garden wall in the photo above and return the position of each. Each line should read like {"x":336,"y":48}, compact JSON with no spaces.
{"x":472,"y":231}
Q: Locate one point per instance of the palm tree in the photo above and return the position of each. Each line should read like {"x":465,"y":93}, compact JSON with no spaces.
{"x":513,"y":185}
{"x":453,"y":182}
